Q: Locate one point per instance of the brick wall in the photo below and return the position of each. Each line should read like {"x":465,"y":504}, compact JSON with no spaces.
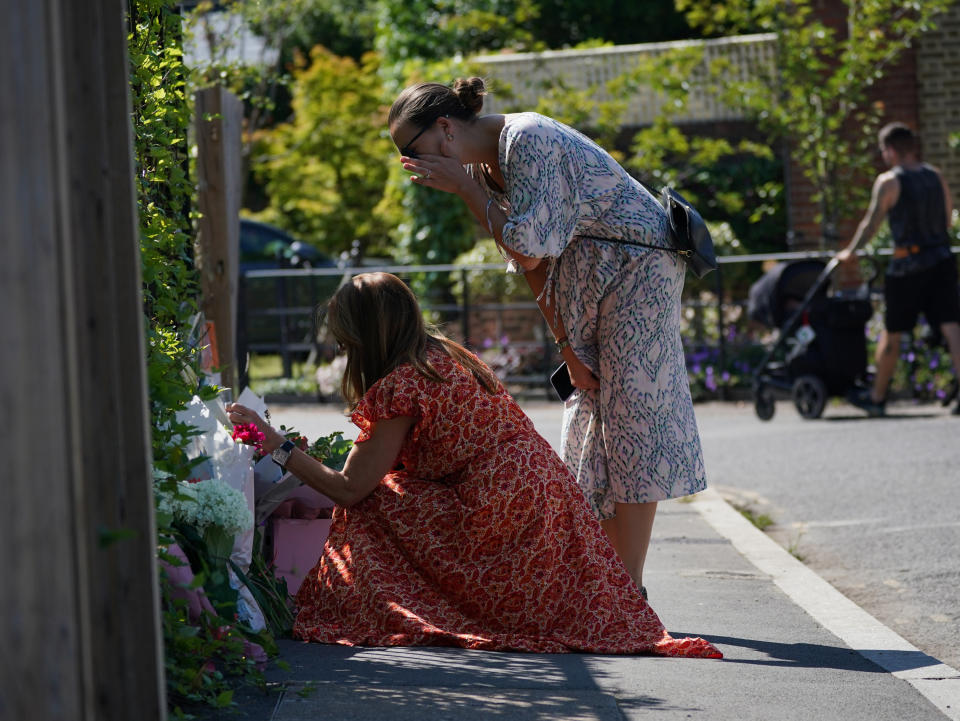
{"x":900,"y":96}
{"x":938,"y":82}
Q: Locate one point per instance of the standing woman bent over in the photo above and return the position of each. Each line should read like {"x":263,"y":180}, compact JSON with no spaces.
{"x":549,"y":196}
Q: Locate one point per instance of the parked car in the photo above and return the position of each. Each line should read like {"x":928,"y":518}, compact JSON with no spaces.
{"x":266,"y":246}
{"x":276,"y":310}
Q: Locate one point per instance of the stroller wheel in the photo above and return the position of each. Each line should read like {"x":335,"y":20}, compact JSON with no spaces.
{"x":763,"y":404}
{"x":809,"y":396}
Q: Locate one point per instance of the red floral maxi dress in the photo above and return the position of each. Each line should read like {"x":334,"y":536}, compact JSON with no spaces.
{"x":479,"y":538}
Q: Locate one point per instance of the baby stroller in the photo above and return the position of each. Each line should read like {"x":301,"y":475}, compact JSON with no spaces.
{"x":821,"y":347}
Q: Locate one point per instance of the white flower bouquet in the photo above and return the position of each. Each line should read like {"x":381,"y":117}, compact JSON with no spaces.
{"x":207,"y":503}
{"x":217,"y":511}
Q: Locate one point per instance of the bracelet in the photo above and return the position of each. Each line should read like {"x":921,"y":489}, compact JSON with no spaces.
{"x":562,"y":343}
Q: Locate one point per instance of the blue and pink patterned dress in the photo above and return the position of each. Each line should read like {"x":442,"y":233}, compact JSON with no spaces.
{"x":635,"y":439}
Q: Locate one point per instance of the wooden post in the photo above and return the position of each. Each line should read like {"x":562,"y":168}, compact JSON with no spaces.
{"x":79,"y":608}
{"x":219,"y":115}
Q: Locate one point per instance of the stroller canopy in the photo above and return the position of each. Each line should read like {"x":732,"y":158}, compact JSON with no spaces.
{"x":781,"y":289}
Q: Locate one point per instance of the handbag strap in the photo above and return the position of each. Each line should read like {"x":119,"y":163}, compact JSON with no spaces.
{"x":679,"y":251}
{"x":683,"y":252}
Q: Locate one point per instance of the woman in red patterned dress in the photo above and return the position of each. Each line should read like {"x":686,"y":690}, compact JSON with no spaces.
{"x":456,"y":522}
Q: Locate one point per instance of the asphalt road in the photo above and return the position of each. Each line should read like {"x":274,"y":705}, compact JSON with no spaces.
{"x":872,"y":505}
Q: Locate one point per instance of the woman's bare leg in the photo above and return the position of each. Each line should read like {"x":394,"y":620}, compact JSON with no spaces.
{"x":629,"y":532}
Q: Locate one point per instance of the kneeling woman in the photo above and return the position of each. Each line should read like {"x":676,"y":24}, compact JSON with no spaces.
{"x":456,"y":522}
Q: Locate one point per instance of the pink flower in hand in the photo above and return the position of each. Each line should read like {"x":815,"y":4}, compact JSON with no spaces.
{"x":249,"y":434}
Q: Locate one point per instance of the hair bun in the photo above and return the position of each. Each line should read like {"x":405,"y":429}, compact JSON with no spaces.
{"x":470,"y":92}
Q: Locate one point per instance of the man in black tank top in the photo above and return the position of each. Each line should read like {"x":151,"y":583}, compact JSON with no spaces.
{"x":922,"y":275}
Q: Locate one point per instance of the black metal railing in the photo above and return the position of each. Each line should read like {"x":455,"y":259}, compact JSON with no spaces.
{"x":286,"y":327}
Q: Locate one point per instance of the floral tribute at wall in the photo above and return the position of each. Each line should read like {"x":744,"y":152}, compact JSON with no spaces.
{"x":225,"y":540}
{"x":224,"y":600}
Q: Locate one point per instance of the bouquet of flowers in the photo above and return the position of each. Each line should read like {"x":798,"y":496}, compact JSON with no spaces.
{"x":215,"y":510}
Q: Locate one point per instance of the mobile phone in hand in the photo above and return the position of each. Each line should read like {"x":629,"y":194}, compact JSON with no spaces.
{"x":560,"y":379}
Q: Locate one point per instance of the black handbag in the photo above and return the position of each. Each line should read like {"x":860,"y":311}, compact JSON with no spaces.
{"x":688,"y":234}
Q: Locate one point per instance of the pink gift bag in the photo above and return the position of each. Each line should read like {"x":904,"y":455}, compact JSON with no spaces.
{"x":297,"y":545}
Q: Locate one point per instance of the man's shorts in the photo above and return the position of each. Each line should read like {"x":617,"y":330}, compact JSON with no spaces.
{"x":933,"y":292}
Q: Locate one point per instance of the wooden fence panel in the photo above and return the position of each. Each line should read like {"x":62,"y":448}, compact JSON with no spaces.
{"x":41,"y":675}
{"x":79,"y":604}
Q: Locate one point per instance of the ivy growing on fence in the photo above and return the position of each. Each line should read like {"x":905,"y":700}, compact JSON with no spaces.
{"x":161,"y":117}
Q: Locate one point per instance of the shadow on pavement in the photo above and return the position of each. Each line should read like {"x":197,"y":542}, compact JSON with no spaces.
{"x":801,"y":655}
{"x":417,"y":683}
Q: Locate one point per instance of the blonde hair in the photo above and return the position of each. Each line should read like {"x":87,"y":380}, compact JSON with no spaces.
{"x":377,"y":321}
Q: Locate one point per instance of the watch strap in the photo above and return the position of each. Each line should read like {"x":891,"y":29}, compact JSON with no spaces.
{"x":281,"y":455}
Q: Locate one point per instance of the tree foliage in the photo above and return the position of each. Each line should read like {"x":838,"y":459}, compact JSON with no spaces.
{"x":325,"y":170}
{"x":736,"y":181}
{"x":564,"y":23}
{"x":431,"y":30}
{"x":345,"y":27}
{"x":425,"y":226}
{"x":816,"y":96}
{"x":487,"y":286}
{"x":319,"y":173}
{"x":441,"y":29}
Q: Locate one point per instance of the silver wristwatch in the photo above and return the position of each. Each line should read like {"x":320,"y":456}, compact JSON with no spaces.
{"x":281,"y":455}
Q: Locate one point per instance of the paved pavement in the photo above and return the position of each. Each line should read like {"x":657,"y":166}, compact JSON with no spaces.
{"x":870,"y":504}
{"x":794,"y":647}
